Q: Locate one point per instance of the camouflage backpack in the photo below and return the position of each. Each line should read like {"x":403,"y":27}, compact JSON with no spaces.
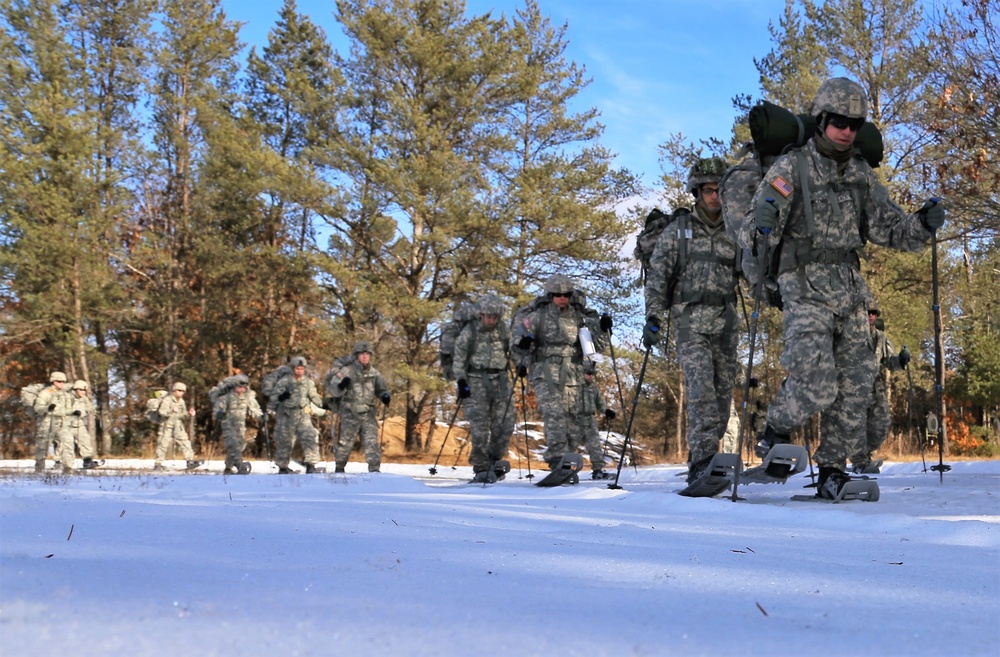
{"x":465,"y":313}
{"x":29,"y":394}
{"x":333,"y":403}
{"x":153,"y":406}
{"x":226,"y":386}
{"x":272,"y":378}
{"x":656,"y":221}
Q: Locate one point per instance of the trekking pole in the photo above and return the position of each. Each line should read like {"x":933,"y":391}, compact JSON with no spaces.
{"x":941,"y":467}
{"x":754,"y":317}
{"x":381,"y":430}
{"x":524,"y":408}
{"x":631,"y":418}
{"x":433,"y":468}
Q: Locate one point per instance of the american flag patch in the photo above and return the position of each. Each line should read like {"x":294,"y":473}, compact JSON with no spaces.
{"x":782,"y":186}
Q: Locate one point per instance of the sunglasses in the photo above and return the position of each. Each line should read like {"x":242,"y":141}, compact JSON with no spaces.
{"x":844,"y":123}
{"x":563,"y":295}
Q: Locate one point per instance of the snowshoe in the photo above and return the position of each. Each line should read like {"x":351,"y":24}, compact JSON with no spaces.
{"x":286,"y":470}
{"x":485,"y":477}
{"x":500,"y":468}
{"x":243,"y":467}
{"x":871,"y":467}
{"x":191,"y":465}
{"x":780,"y":463}
{"x":837,"y":486}
{"x":768,"y":439}
{"x":711,"y":478}
{"x":90,"y":463}
{"x":600,"y":474}
{"x":564,"y":472}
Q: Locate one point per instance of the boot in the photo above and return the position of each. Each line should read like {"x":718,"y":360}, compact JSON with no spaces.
{"x":339,"y":469}
{"x":831,"y":480}
{"x":697,"y":470}
{"x":600,"y":474}
{"x":768,"y":439}
{"x":158,"y":466}
{"x":284,"y":469}
{"x":67,"y":469}
{"x":39,"y":465}
{"x":243,"y":467}
{"x":310,"y":468}
{"x":89,"y":463}
{"x":191,"y":465}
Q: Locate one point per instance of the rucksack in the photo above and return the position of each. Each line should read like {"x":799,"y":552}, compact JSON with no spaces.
{"x":29,"y":394}
{"x":272,"y":378}
{"x":225,"y":386}
{"x":656,"y":223}
{"x":333,"y":403}
{"x":465,"y":313}
{"x":153,"y":406}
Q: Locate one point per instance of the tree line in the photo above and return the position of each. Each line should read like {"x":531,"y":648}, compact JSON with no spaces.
{"x":174,"y":208}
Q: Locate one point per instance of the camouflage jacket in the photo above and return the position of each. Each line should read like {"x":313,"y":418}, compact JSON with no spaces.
{"x":172,"y":410}
{"x":302,"y":395}
{"x":591,"y":400}
{"x":367,"y":387}
{"x":86,"y":407}
{"x":62,"y":399}
{"x":237,"y":407}
{"x":479,"y":350}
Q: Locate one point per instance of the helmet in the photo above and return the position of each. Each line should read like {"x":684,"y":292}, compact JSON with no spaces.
{"x":179,"y":386}
{"x":589,"y":367}
{"x":298,"y":361}
{"x":558,"y":284}
{"x":242,"y":380}
{"x":873,"y":307}
{"x":490,"y":304}
{"x":841,"y":96}
{"x":79,"y":385}
{"x":705,"y":170}
{"x":362,"y":347}
{"x":57,"y":376}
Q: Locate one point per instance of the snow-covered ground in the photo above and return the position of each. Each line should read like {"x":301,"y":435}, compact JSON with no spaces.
{"x":405,"y":563}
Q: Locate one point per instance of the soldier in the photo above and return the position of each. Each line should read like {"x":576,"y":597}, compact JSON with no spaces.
{"x":231,"y":411}
{"x":877,"y":427}
{"x":585,"y":426}
{"x":359,"y":386}
{"x":693,"y":276}
{"x":83,"y":407}
{"x":52,"y":407}
{"x":482,"y":353}
{"x":296,"y":401}
{"x":173,"y":414}
{"x":820,"y":226}
{"x":546,"y":338}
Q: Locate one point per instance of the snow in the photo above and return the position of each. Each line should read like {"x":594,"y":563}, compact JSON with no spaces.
{"x":398,"y":563}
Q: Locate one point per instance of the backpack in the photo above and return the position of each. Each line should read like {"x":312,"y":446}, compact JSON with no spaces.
{"x":153,"y":406}
{"x":272,"y":378}
{"x":29,"y":394}
{"x":333,"y":403}
{"x":224,"y":387}
{"x":656,"y":223}
{"x":465,"y":313}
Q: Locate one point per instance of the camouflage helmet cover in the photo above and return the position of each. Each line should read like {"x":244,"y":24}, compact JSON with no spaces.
{"x":242,"y":380}
{"x":490,"y":304}
{"x":705,"y":170}
{"x":841,"y":96}
{"x":362,"y":347}
{"x":179,"y":386}
{"x":589,"y":367}
{"x":79,"y":384}
{"x":298,"y":361}
{"x":57,"y":376}
{"x":558,"y":284}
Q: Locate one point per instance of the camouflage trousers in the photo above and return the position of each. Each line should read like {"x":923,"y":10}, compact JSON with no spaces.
{"x":831,"y":371}
{"x":709,"y":364}
{"x":731,"y":438}
{"x":234,"y":438}
{"x":585,"y":434}
{"x":81,"y":436}
{"x":490,"y":412}
{"x":172,"y":433}
{"x":555,"y":403}
{"x":353,"y":425}
{"x":55,"y":430}
{"x":877,"y":427}
{"x":295,"y":425}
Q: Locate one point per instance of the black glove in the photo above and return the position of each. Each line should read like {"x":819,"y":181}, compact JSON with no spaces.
{"x":610,"y":414}
{"x":606,"y":323}
{"x":932,"y":214}
{"x":285,"y":396}
{"x":385,"y":398}
{"x":346,"y":381}
{"x":52,"y":407}
{"x":79,"y":413}
{"x":525,"y":342}
{"x":325,"y":405}
{"x":765,"y":217}
{"x":904,"y":357}
{"x":651,"y":332}
{"x":464,"y":391}
{"x":522,"y":371}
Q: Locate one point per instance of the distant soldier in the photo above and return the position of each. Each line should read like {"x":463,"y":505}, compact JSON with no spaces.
{"x":231,"y":411}
{"x":173,"y":414}
{"x":296,"y":401}
{"x":52,"y":406}
{"x":481,"y":370}
{"x":359,"y":387}
{"x":585,"y":429}
{"x":83,"y":409}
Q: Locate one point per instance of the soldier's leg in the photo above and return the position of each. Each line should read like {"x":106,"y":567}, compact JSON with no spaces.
{"x":724,"y":356}
{"x":550,"y":405}
{"x":284,"y":428}
{"x":66,"y":453}
{"x":502,"y":413}
{"x":476,"y":411}
{"x":183,"y":442}
{"x":308,"y":437}
{"x":163,"y":440}
{"x":595,"y":450}
{"x":877,"y":426}
{"x":84,"y":442}
{"x":370,"y":443}
{"x":42,"y":441}
{"x":350,"y":427}
{"x":705,"y":422}
{"x":229,"y":441}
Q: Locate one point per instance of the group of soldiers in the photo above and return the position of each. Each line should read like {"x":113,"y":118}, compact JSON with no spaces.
{"x":793,"y":227}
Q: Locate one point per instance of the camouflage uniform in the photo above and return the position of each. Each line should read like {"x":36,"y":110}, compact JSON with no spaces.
{"x":83,"y":409}
{"x":53,"y":407}
{"x":877,"y":427}
{"x":737,"y":190}
{"x":481,"y":358}
{"x":357,"y":410}
{"x":294,"y":421}
{"x":827,"y":343}
{"x":234,"y":409}
{"x":173,"y":415}
{"x":556,"y":360}
{"x":584,"y":428}
{"x":704,"y":316}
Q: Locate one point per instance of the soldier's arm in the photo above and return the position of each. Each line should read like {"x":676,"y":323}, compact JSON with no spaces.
{"x":661,"y":266}
{"x":462,"y":344}
{"x":889,"y":225}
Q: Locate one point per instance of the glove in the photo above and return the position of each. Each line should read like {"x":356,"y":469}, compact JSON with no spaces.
{"x":52,"y":407}
{"x":651,"y":333}
{"x":525,"y":342}
{"x":932,"y":214}
{"x":606,"y":323}
{"x":880,"y":324}
{"x":79,"y":413}
{"x":766,"y":215}
{"x":522,"y":371}
{"x":385,"y":398}
{"x":464,"y":391}
{"x":610,"y":414}
{"x":219,"y":415}
{"x":346,"y":381}
{"x":325,"y":405}
{"x":904,"y":357}
{"x":285,"y":396}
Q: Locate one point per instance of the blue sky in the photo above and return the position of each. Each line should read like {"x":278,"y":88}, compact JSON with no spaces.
{"x":659,"y":67}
